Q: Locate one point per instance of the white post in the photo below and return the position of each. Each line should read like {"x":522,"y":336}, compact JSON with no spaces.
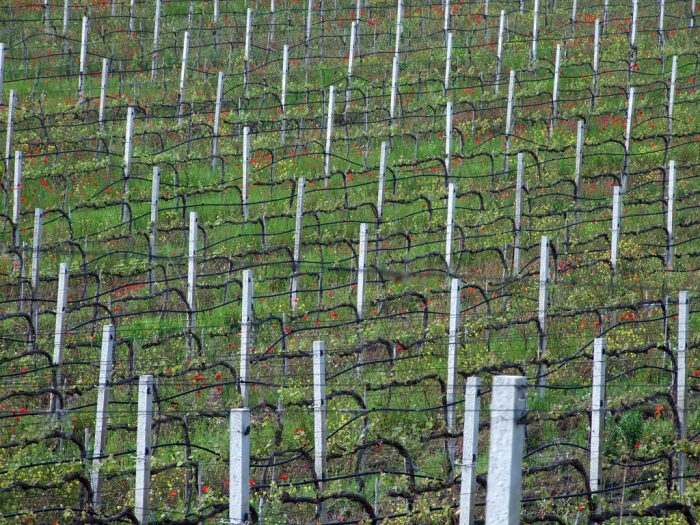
{"x":329,"y":136}
{"x":451,"y":198}
{"x":298,"y":225}
{"x":153,"y":240}
{"x":156,"y":38}
{"x":399,"y":26}
{"x":248,"y":37}
{"x":670,"y":202}
{"x":183,"y":78}
{"x":128,"y":137}
{"x":217,"y":119}
{"x":132,"y":15}
{"x":573,"y":20}
{"x":598,"y":414}
{"x":542,"y":312}
{"x":10,"y":129}
{"x":246,"y":326}
{"x":285,"y":74}
{"x":470,"y":450}
{"x":508,"y":407}
{"x":60,"y":330}
{"x":452,"y":357}
{"x":319,"y":379}
{"x":672,"y":97}
{"x":83,"y":60}
{"x":579,"y":165}
{"x":2,"y":67}
{"x":246,"y":170}
{"x":446,"y":24}
{"x":307,"y":44}
{"x":394,"y":90}
{"x":351,"y":61}
{"x":271,"y":32}
{"x":555,"y":90}
{"x":616,"y":223}
{"x":142,"y":499}
{"x":509,"y":115}
{"x":239,"y":466}
{"x":682,"y":381}
{"x":692,"y":13}
{"x":628,"y":139}
{"x":633,"y":29}
{"x":596,"y":58}
{"x":362,"y":272}
{"x":535,"y":22}
{"x":17,"y":198}
{"x":192,"y":275}
{"x":517,"y":223}
{"x":448,"y":64}
{"x":101,"y":417}
{"x":103,"y":93}
{"x":448,"y":140}
{"x":382,"y":181}
{"x":662,"y":5}
{"x":499,"y":52}
{"x":36,"y":263}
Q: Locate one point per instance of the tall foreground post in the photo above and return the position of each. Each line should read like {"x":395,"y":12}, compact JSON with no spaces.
{"x":239,"y":466}
{"x":60,"y":330}
{"x":142,"y":498}
{"x":101,"y":417}
{"x":319,"y":378}
{"x":452,"y":355}
{"x":192,"y":277}
{"x":682,"y":381}
{"x":246,"y":326}
{"x":598,"y":414}
{"x":298,"y":225}
{"x":508,"y":408}
{"x":542,"y":312}
{"x":470,"y":449}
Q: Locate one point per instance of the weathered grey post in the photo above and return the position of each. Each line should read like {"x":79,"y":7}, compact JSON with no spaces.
{"x":555,"y":90}
{"x":142,"y":498}
{"x":248,"y":38}
{"x":153,"y":239}
{"x":246,"y":171}
{"x":239,"y":466}
{"x":17,"y":199}
{"x":12,"y":101}
{"x":362,"y":272}
{"x":452,"y":357}
{"x":192,"y":277}
{"x":509,"y":116}
{"x":329,"y":136}
{"x":183,"y":78}
{"x":535,"y":24}
{"x":399,"y":27}
{"x":101,"y":416}
{"x":298,"y":226}
{"x":448,"y":140}
{"x":217,"y":119}
{"x":508,"y":408}
{"x":598,"y":409}
{"x":451,"y":198}
{"x":628,"y":140}
{"x":2,"y":67}
{"x":660,"y":28}
{"x":271,"y":32}
{"x":103,"y":93}
{"x":60,"y":330}
{"x":616,"y":224}
{"x":672,"y":98}
{"x":307,"y":42}
{"x":394,"y":90}
{"x":132,"y":15}
{"x":543,"y":304}
{"x":351,"y":61}
{"x":128,"y":138}
{"x":156,"y":39}
{"x":319,"y":379}
{"x":382,"y":182}
{"x":83,"y":60}
{"x":448,"y":64}
{"x":670,"y":203}
{"x":633,"y":29}
{"x":446,"y":23}
{"x":470,"y":450}
{"x":499,"y":52}
{"x":246,"y":328}
{"x":682,"y":381}
{"x":36,"y":264}
{"x":579,"y":166}
{"x":518,"y":222}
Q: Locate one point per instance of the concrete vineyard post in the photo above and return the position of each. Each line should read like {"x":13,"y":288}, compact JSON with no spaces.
{"x":508,"y":407}
{"x":660,"y":28}
{"x":598,"y":409}
{"x":499,"y":52}
{"x":672,"y":98}
{"x":543,"y":304}
{"x":670,"y":203}
{"x":579,"y":166}
{"x":60,"y":329}
{"x":682,"y":381}
{"x":298,"y":226}
{"x":596,"y":59}
{"x":192,"y":277}
{"x":470,"y":450}
{"x":12,"y":101}
{"x":239,"y":466}
{"x":692,"y":13}
{"x":103,"y":93}
{"x":616,"y":224}
{"x":351,"y":60}
{"x":183,"y":78}
{"x":394,"y":90}
{"x":285,"y":74}
{"x":156,"y":39}
{"x":517,"y":222}
{"x":535,"y":24}
{"x":555,"y":90}
{"x":319,"y":379}
{"x":451,"y":198}
{"x":573,"y":19}
{"x":246,"y":328}
{"x":128,"y":138}
{"x":248,"y":38}
{"x":448,"y":64}
{"x":2,"y":67}
{"x":382,"y":182}
{"x":246,"y":171}
{"x":399,"y":27}
{"x":153,"y":239}
{"x":132,"y":15}
{"x":452,"y":367}
{"x":271,"y":32}
{"x":362,"y":272}
{"x":486,"y":20}
{"x":36,"y":263}
{"x":83,"y":60}
{"x":142,"y":499}
{"x":101,"y":415}
{"x":633,"y":28}
{"x":216,"y":23}
{"x":329,"y":137}
{"x":217,"y":119}
{"x":448,"y":140}
{"x":628,"y":139}
{"x":16,"y":199}
{"x":446,"y":23}
{"x":307,"y":42}
{"x":509,"y":116}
